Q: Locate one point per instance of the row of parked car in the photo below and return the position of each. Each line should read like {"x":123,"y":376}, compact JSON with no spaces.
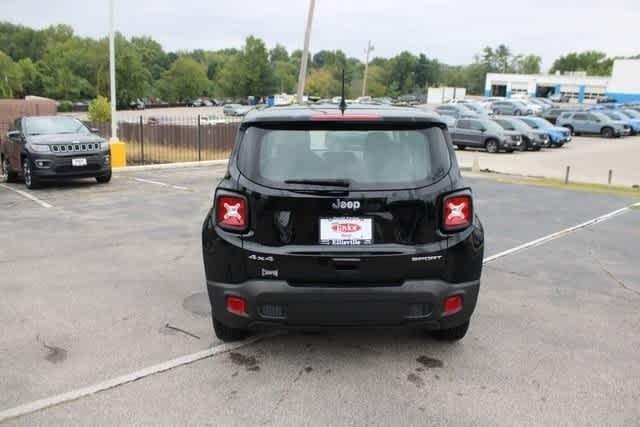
{"x":499,"y":124}
{"x":508,"y":133}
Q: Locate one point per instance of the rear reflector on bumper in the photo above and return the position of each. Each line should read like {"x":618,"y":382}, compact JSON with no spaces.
{"x":236,"y":305}
{"x":452,"y":305}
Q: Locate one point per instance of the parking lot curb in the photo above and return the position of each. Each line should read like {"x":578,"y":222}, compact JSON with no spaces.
{"x":162,"y":166}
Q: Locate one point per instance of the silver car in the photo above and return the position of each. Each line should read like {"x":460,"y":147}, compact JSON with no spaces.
{"x":511,"y":107}
{"x":593,"y":122}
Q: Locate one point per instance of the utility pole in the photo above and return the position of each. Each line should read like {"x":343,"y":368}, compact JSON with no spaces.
{"x":112,"y":73}
{"x":305,"y":53}
{"x":369,"y":49}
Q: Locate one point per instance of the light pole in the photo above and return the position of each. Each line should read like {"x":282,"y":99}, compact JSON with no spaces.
{"x":112,"y":73}
{"x":305,"y":53}
{"x":366,"y":68}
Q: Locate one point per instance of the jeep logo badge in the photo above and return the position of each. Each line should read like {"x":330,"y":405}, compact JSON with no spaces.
{"x":344,"y":204}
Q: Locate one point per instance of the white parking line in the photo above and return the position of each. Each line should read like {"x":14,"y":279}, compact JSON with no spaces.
{"x":58,"y":399}
{"x":28,"y":196}
{"x":48,"y":402}
{"x":162,"y":184}
{"x":559,"y":234}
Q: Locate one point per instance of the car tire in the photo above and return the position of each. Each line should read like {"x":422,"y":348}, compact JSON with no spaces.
{"x":461,"y":147}
{"x":517,"y":113}
{"x":30,"y":181}
{"x":570,"y":129}
{"x":227,"y":334}
{"x":536,"y":148}
{"x":104,"y":179}
{"x":6,"y":175}
{"x":509,"y":150}
{"x":606,"y":132}
{"x":492,"y":146}
{"x":451,"y":334}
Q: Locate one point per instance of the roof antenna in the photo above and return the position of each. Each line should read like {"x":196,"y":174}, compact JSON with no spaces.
{"x":343,"y":103}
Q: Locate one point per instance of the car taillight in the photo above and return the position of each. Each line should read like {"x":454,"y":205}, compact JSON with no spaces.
{"x":231,"y":212}
{"x":457,"y":213}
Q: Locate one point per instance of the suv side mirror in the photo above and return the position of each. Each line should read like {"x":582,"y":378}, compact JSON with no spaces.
{"x":94,"y":130}
{"x":13,"y":134}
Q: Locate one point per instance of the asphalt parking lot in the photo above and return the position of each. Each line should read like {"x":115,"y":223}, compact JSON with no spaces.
{"x":108,"y":280}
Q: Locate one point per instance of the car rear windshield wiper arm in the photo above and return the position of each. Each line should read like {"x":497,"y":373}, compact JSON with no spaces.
{"x":321,"y":182}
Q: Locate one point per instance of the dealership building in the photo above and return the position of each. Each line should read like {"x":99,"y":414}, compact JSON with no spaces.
{"x":623,"y":85}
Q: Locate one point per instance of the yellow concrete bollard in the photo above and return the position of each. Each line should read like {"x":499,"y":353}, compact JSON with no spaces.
{"x":118,"y":154}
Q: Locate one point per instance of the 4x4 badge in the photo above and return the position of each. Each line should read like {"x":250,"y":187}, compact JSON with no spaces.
{"x":255,"y":257}
{"x":346,"y":204}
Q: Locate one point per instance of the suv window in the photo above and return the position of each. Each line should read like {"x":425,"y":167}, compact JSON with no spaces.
{"x":476,"y":125}
{"x":565,"y":115}
{"x":463,"y":124}
{"x":506,"y":124}
{"x":367,"y":158}
{"x":580,"y":116}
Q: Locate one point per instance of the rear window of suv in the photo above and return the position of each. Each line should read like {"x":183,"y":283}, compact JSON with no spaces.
{"x":368,"y":159}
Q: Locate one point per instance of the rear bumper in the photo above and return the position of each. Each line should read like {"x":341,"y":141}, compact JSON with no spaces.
{"x":275,"y":303}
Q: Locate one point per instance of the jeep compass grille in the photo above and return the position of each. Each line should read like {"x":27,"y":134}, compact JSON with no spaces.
{"x":71,"y":148}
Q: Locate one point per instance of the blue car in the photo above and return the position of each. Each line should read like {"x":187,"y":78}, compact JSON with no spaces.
{"x":633,"y":119}
{"x":558,"y":136}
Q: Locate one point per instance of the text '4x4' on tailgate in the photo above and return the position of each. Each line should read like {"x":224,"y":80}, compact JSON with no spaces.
{"x":326,"y":219}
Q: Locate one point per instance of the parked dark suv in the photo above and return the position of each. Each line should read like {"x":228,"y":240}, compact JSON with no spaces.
{"x":325,"y":219}
{"x":53,"y":147}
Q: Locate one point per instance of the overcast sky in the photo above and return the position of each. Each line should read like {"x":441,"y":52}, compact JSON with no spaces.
{"x":450,"y":30}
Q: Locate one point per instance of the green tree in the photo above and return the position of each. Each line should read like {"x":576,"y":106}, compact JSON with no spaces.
{"x":402,"y":73}
{"x":285,"y":77}
{"x":427,"y":72}
{"x":153,"y":57}
{"x":592,"y":62}
{"x":278,"y":54}
{"x":100,"y":110}
{"x":529,"y":64}
{"x":503,"y":59}
{"x":320,"y":83}
{"x":185,"y":80}
{"x":10,"y":77}
{"x":257,"y":72}
{"x":231,"y":78}
{"x":31,"y":78}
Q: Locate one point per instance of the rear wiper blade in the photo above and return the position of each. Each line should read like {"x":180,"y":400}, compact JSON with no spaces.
{"x":320,"y":182}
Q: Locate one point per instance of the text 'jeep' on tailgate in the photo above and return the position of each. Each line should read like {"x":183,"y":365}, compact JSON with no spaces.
{"x":357,"y":219}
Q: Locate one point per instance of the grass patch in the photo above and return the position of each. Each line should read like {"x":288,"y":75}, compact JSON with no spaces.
{"x":160,"y":153}
{"x":559,"y":184}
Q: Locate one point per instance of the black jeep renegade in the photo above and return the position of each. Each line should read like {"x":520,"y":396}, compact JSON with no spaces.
{"x":331,"y":219}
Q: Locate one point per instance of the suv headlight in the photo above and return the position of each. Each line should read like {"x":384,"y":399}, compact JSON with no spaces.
{"x":104,"y":146}
{"x":36,"y":148}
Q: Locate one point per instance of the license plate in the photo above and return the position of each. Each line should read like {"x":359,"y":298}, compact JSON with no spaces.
{"x":346,"y":231}
{"x":79,"y":162}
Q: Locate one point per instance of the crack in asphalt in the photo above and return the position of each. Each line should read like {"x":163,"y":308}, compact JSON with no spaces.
{"x":612,"y":276}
